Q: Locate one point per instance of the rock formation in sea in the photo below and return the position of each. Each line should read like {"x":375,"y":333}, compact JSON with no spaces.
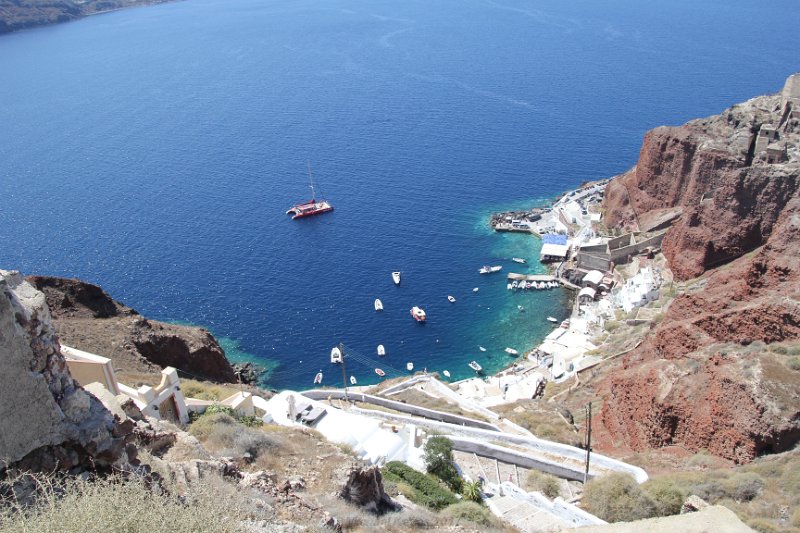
{"x":87,"y":318}
{"x":47,"y":421}
{"x":713,"y":374}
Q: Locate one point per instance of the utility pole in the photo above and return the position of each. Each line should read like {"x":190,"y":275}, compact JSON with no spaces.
{"x":588,"y":440}
{"x":344,"y":372}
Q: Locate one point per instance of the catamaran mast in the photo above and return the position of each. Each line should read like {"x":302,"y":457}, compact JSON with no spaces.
{"x":311,"y":182}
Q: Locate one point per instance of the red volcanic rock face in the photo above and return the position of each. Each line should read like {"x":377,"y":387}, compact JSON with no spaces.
{"x":704,"y":378}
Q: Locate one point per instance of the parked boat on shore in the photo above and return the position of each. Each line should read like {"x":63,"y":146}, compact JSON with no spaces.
{"x":396,"y":278}
{"x":378,"y":305}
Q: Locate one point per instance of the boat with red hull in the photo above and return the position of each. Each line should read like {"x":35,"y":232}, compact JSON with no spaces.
{"x":311,"y":207}
{"x":418,"y":314}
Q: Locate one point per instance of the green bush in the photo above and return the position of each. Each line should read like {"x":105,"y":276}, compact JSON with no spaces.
{"x":617,"y":498}
{"x":251,"y":421}
{"x":473,"y":491}
{"x":666,"y":495}
{"x":426,"y":490}
{"x":438,"y":457}
{"x":219,"y":408}
{"x":469,"y":512}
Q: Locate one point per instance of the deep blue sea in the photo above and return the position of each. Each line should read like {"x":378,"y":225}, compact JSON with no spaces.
{"x":154,"y":151}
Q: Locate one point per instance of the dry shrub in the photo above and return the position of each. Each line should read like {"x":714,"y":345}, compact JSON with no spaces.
{"x":222,"y":434}
{"x":666,"y":495}
{"x":470,"y":512}
{"x":113,"y":504}
{"x":547,"y":484}
{"x":617,"y":498}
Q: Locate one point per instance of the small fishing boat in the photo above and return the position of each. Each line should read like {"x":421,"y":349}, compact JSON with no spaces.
{"x":481,"y":348}
{"x":509,"y":286}
{"x":318,"y":378}
{"x":513,"y":284}
{"x":353,"y":380}
{"x":475,"y":366}
{"x":446,"y":373}
{"x":410,"y":366}
{"x":451,"y":299}
{"x":553,"y":320}
{"x":396,"y":278}
{"x":418,"y":314}
{"x":520,"y":308}
{"x":490,"y":269}
{"x":381,"y":350}
{"x":380,"y":372}
{"x":511,"y":351}
{"x":336,"y":355}
{"x":519,"y":260}
{"x":476,"y":289}
{"x":378,"y":305}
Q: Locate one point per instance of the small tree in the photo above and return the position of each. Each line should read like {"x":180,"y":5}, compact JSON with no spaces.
{"x":473,"y":491}
{"x":438,"y":457}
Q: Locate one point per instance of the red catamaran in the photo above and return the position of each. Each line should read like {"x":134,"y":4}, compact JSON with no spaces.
{"x":311,"y":207}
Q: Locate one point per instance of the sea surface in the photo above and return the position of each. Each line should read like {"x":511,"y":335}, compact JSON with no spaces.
{"x":155,"y":150}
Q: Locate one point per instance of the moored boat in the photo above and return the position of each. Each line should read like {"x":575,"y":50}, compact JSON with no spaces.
{"x":490,"y":269}
{"x":511,"y":351}
{"x":481,"y":348}
{"x":318,"y":378}
{"x":396,"y":278}
{"x":446,"y":373}
{"x":451,"y":299}
{"x":380,"y":372}
{"x":381,"y":350}
{"x":311,"y":207}
{"x":553,"y":320}
{"x":476,"y":289}
{"x":353,"y":380}
{"x":410,"y":366}
{"x":378,"y":305}
{"x":475,"y":366}
{"x":519,"y":260}
{"x":336,"y":355}
{"x":520,"y":308}
{"x":418,"y":314}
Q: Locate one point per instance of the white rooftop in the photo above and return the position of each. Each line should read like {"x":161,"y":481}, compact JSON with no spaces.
{"x":555,"y":250}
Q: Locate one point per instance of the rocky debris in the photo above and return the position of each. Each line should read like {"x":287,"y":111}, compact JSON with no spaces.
{"x":330,"y":523}
{"x":364,"y":488}
{"x":87,"y":318}
{"x":248,"y":373}
{"x":47,"y":421}
{"x":704,"y":377}
{"x":693,"y":504}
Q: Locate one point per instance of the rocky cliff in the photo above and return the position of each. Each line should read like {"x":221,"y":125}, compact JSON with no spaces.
{"x":20,"y":14}
{"x":714,"y":373}
{"x":87,"y":318}
{"x":47,"y":421}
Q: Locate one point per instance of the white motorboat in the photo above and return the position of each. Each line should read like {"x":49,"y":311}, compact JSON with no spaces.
{"x":513,"y":284}
{"x":451,"y":299}
{"x":481,"y":348}
{"x":490,"y":269}
{"x":553,"y":320}
{"x":353,"y":380}
{"x":378,"y":305}
{"x":476,"y":289}
{"x":380,"y":372}
{"x":396,"y":278}
{"x":519,"y":260}
{"x":520,"y":308}
{"x":318,"y":378}
{"x":508,"y":286}
{"x":446,"y":373}
{"x":336,"y":355}
{"x":475,"y":366}
{"x":410,"y":366}
{"x":511,"y":351}
{"x":381,"y":350}
{"x":419,"y":314}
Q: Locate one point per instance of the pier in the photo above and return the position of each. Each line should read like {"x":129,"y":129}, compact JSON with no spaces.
{"x":530,"y":277}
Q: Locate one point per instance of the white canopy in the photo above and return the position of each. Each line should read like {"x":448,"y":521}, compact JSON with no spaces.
{"x":587,"y":291}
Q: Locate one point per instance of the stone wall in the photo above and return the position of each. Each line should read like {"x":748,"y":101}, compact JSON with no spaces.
{"x":47,"y":421}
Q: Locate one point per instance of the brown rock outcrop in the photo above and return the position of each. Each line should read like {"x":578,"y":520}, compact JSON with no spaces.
{"x":705,"y":377}
{"x":87,"y":318}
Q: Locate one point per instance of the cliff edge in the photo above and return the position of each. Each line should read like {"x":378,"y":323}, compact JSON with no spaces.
{"x":87,"y":318}
{"x":716,"y":373}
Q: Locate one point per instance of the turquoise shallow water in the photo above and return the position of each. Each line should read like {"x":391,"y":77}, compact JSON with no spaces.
{"x":154,"y":151}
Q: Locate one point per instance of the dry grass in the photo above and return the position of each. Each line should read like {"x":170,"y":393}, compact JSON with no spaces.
{"x":113,"y":504}
{"x":542,"y":419}
{"x":419,"y":398}
{"x":206,"y":390}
